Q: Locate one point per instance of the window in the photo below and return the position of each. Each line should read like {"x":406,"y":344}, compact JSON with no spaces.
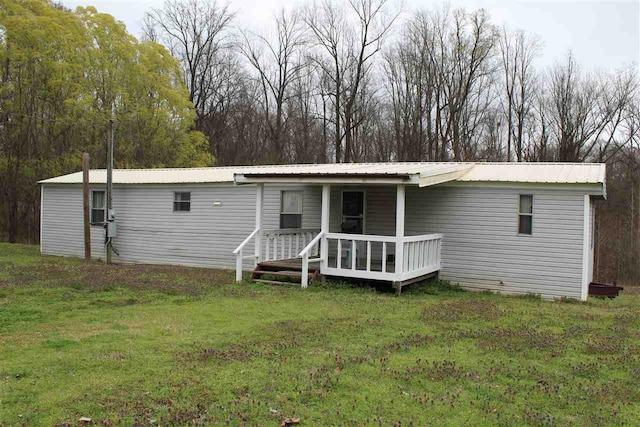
{"x":291,"y":209}
{"x":98,"y":204}
{"x":525,"y":215}
{"x":352,"y":212}
{"x":181,"y":201}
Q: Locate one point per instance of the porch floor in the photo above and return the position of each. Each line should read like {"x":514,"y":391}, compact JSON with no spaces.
{"x":376,"y":265}
{"x":295,"y":264}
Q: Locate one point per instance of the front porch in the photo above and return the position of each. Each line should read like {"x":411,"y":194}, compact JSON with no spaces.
{"x":345,"y":250}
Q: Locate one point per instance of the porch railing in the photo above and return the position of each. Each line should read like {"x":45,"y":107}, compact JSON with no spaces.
{"x":275,"y":245}
{"x":376,"y":257}
{"x":238,"y":252}
{"x":287,"y":243}
{"x":421,"y":254}
{"x":347,"y":255}
{"x":310,"y":249}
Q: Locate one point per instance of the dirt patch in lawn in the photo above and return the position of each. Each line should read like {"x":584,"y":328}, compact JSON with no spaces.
{"x":100,"y":277}
{"x":276,"y":340}
{"x":518,"y":341}
{"x":462,"y":311}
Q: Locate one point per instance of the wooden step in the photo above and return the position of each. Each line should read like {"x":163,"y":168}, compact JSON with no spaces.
{"x":283,"y":269}
{"x":280,"y":265}
{"x":279,"y":273}
{"x":275,"y":282}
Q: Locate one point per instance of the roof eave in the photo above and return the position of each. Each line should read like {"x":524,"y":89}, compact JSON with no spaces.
{"x":241,"y":179}
{"x":596,"y":189}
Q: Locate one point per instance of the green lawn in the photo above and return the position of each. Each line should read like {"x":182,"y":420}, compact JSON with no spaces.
{"x":127,"y":344}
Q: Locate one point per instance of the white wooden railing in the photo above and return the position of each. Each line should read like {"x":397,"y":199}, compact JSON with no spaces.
{"x":239,"y":250}
{"x":414,"y":256}
{"x":277,"y":245}
{"x":287,"y":243}
{"x":351,"y":245}
{"x":310,"y":249}
{"x":420,"y":256}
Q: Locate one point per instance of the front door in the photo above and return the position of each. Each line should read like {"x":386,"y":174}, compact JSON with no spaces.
{"x":353,"y":205}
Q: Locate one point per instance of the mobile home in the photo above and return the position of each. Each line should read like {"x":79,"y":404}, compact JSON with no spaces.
{"x":506,"y":227}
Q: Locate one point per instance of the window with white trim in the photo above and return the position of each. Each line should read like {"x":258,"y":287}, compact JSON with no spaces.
{"x":98,"y":205}
{"x":525,"y":214}
{"x":181,"y":201}
{"x":291,"y":209}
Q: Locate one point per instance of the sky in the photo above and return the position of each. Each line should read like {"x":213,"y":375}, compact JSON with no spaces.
{"x":603,"y":35}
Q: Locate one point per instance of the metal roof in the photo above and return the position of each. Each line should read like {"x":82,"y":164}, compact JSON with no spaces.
{"x":556,"y":173}
{"x":422,"y":173}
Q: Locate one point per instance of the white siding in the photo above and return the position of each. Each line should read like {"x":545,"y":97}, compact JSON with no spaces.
{"x":481,"y":246}
{"x":148,"y":231}
{"x":62,"y":230}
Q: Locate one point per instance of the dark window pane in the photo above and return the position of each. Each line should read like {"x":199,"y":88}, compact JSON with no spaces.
{"x":352,"y":203}
{"x":97,"y":216}
{"x":290,"y":221}
{"x":181,"y":197}
{"x":181,"y":201}
{"x":525,"y":225}
{"x":352,"y":225}
{"x":181,"y":206}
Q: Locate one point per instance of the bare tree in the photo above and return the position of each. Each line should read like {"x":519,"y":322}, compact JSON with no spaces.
{"x":307,"y":137}
{"x":350,"y":39}
{"x":586,"y":111}
{"x":278,"y":64}
{"x":470,"y":57}
{"x":518,"y":51}
{"x":195,"y":31}
{"x":328,"y":25}
{"x":410,"y":85}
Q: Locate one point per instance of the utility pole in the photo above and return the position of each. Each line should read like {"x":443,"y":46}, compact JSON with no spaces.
{"x":85,"y":206}
{"x":109,"y":206}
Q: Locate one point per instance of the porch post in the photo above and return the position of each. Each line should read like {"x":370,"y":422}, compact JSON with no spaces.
{"x":259,"y":204}
{"x":324,"y":224}
{"x":399,"y":229}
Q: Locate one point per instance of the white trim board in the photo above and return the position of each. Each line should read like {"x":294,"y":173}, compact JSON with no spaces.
{"x":586,"y":246}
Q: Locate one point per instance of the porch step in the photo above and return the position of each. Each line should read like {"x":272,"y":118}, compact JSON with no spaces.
{"x":274,"y":282}
{"x":278,"y":273}
{"x":283,"y":270}
{"x":281,"y":265}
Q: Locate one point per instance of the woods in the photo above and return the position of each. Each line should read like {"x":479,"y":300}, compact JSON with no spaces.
{"x":64,"y":75}
{"x":351,"y":81}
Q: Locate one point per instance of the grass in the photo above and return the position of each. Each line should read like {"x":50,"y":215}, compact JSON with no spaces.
{"x":168,"y":345}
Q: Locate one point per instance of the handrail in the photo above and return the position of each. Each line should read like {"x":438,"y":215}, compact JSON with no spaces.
{"x":245,"y":241}
{"x":362,"y":237}
{"x":286,"y":243}
{"x":289,"y":230}
{"x":421,"y":237}
{"x":311,"y":244}
{"x":238,"y":252}
{"x":381,"y":238}
{"x":305,"y":258}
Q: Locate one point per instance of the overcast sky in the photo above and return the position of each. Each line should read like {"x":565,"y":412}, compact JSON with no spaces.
{"x":602,"y":34}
